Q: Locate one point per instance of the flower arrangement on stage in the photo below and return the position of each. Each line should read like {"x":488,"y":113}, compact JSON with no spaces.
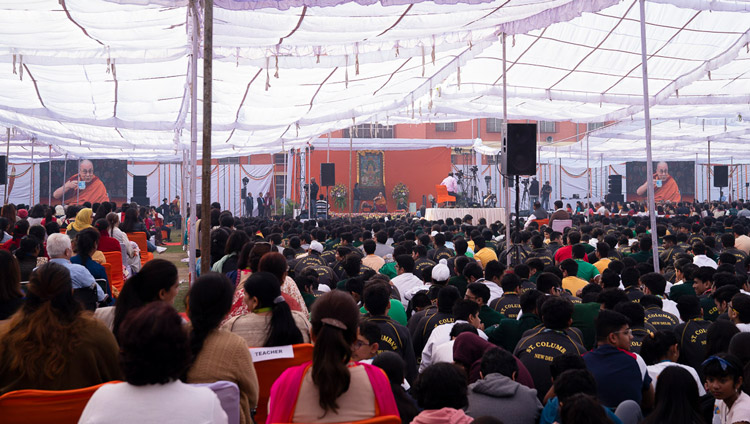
{"x":339,"y":193}
{"x":400,"y":192}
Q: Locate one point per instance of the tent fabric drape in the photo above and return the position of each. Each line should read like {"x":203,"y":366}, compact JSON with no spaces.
{"x":112,"y":79}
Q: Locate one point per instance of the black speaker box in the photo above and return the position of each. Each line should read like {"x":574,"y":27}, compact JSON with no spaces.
{"x":139,"y":186}
{"x":3,"y":170}
{"x":519,"y":150}
{"x":615,"y":184}
{"x":327,"y":174}
{"x":721,"y":176}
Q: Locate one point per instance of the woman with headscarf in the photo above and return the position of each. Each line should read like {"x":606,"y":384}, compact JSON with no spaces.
{"x":82,"y":221}
{"x":468,"y":350}
{"x":52,"y":343}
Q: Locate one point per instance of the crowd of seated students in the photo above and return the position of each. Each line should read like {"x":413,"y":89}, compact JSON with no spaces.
{"x":433,"y":322}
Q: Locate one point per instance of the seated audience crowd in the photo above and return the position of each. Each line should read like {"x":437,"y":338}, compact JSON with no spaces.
{"x":607,"y":321}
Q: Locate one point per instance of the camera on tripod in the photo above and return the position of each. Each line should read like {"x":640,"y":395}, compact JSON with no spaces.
{"x":474,"y":169}
{"x":525,"y":181}
{"x":459,"y":174}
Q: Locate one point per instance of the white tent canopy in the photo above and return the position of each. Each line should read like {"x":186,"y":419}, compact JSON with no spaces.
{"x":111,"y":78}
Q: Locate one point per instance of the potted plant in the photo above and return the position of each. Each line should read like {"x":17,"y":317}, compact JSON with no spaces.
{"x":339,"y":193}
{"x":401,"y":194}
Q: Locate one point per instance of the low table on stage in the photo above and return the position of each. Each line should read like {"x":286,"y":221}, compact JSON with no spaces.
{"x":490,"y":214}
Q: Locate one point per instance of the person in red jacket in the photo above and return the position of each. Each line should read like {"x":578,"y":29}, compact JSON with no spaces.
{"x":107,"y":243}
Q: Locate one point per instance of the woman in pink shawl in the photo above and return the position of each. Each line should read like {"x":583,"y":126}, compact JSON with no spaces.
{"x":331,"y":388}
{"x":468,"y":350}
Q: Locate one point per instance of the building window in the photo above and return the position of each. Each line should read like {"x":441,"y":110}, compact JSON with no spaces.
{"x":547,"y":127}
{"x":494,"y":125}
{"x":280,"y":183}
{"x":278,"y":158}
{"x":445,"y":127}
{"x":370,"y":131}
{"x":594,"y":126}
{"x":229,"y":161}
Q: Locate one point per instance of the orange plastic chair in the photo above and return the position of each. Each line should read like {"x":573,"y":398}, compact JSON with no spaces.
{"x":385,"y":419}
{"x":45,"y":406}
{"x":443,"y":196}
{"x":140,"y":239}
{"x":108,"y":270}
{"x":541,"y":222}
{"x":269,"y":371}
{"x":117,"y":278}
{"x":163,"y":235}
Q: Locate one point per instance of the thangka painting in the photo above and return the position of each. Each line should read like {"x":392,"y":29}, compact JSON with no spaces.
{"x":370,"y":169}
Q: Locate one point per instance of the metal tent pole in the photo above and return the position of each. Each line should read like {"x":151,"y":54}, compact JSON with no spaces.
{"x":647,"y":118}
{"x":708,"y":172}
{"x":505,"y":135}
{"x":349,"y":191}
{"x":49,"y":175}
{"x":588,"y":172}
{"x":7,"y":162}
{"x":193,"y":154}
{"x":79,"y":179}
{"x":208,"y":17}
{"x":65,"y":177}
{"x":33,"y":177}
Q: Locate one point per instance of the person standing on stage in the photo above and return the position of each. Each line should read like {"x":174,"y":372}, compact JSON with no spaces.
{"x":261,"y":208}
{"x":546,"y":192}
{"x":533,"y":193}
{"x":249,"y":204}
{"x":356,"y":197}
{"x":313,"y":192}
{"x":451,"y":184}
{"x":268,"y":202}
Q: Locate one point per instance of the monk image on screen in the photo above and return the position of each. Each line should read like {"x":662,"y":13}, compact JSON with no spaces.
{"x":83,"y":187}
{"x":665,"y":187}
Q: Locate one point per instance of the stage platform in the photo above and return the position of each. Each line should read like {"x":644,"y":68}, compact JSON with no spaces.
{"x":490,"y":214}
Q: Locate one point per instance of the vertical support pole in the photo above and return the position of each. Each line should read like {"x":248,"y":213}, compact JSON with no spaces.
{"x":588,"y":173}
{"x":79,"y":178}
{"x":505,"y":135}
{"x":208,"y":29}
{"x":708,"y":172}
{"x":647,"y":118}
{"x":286,"y":180}
{"x":602,"y":183}
{"x":695,"y":171}
{"x":349,"y":190}
{"x":33,"y":177}
{"x":193,"y":156}
{"x":65,"y":176}
{"x":49,"y":176}
{"x":7,"y":163}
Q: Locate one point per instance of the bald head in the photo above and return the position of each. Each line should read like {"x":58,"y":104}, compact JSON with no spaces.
{"x":86,"y":170}
{"x":662,"y":171}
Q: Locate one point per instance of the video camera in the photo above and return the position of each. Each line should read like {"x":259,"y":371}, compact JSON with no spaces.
{"x":474,"y":169}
